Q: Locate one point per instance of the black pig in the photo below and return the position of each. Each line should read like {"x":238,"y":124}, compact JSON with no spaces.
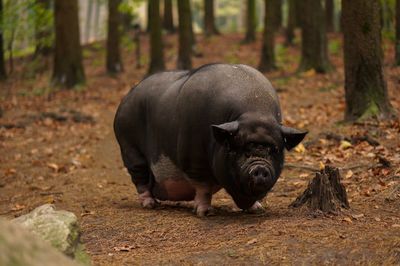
{"x":184,"y":135}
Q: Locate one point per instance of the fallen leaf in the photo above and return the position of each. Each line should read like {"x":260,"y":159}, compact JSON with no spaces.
{"x":125,"y":248}
{"x":252,"y":241}
{"x":18,"y":207}
{"x":50,"y":199}
{"x":86,"y":213}
{"x":357,"y":216}
{"x":10,"y":171}
{"x":300,"y":148}
{"x":348,"y":220}
{"x":53,"y":166}
{"x":349,"y":174}
{"x":344,"y":144}
{"x":309,"y":73}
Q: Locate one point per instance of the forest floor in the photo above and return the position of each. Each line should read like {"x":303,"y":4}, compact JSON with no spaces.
{"x":60,"y":148}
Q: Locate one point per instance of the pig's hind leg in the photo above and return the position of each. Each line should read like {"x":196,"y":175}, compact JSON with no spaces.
{"x":138,"y":169}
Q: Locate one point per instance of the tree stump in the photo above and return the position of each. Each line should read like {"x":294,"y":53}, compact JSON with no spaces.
{"x":324,"y":193}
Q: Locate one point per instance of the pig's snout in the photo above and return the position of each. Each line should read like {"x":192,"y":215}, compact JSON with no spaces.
{"x":260,"y":179}
{"x":259,"y":173}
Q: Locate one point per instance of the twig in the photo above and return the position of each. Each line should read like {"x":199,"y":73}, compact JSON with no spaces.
{"x":46,"y":193}
{"x":360,"y":166}
{"x":304,"y":167}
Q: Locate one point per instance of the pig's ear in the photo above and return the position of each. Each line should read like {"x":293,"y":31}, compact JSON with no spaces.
{"x":224,"y":132}
{"x":292,"y":136}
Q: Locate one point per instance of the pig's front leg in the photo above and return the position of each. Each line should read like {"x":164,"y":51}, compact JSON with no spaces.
{"x":202,"y":200}
{"x":146,"y":200}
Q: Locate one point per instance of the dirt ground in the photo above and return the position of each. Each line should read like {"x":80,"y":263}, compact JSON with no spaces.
{"x":59,"y":148}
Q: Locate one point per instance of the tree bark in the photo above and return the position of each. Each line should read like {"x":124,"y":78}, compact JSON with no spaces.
{"x":156,"y":45}
{"x":3,"y":72}
{"x":278,"y":14}
{"x":113,"y":61}
{"x":185,"y":35}
{"x":42,"y":32}
{"x":168,"y":22}
{"x":314,"y":50}
{"x":330,"y":15}
{"x":149,"y":17}
{"x":365,"y":86}
{"x":397,"y":32}
{"x":267,"y":51}
{"x":324,"y":193}
{"x":251,"y":23}
{"x":209,"y":20}
{"x":68,"y":69}
{"x":290,"y":34}
{"x":299,"y":12}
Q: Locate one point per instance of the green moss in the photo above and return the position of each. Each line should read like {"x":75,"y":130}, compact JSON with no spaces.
{"x":81,"y":256}
{"x":334,"y":47}
{"x":371,"y":112}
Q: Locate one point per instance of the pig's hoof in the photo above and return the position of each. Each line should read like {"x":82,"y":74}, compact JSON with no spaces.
{"x":149,"y":203}
{"x":256,"y":208}
{"x":147,"y":200}
{"x":203,"y":212}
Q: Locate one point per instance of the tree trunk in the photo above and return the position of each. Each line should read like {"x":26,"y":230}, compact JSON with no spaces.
{"x":68,"y":69}
{"x":192,"y":35}
{"x":185,"y":35}
{"x":290,"y":34}
{"x":113,"y":62}
{"x":42,"y":30}
{"x":330,"y":15}
{"x":168,"y":21}
{"x":251,"y":23}
{"x":397,"y":32}
{"x":156,"y":46}
{"x":3,"y":72}
{"x":314,"y":50}
{"x":209,"y":20}
{"x":365,"y":86}
{"x":299,"y":12}
{"x":136,"y":40}
{"x":278,"y":14}
{"x":267,"y":51}
{"x":149,"y":17}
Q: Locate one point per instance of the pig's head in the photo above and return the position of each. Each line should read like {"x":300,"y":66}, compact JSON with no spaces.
{"x":249,"y":155}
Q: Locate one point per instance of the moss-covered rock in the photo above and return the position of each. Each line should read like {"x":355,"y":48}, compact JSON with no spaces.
{"x":59,"y":228}
{"x":20,"y":247}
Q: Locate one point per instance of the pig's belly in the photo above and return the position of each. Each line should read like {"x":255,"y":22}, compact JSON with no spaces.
{"x":170,"y":183}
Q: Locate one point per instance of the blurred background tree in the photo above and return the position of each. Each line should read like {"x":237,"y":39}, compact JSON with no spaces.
{"x":113,"y":61}
{"x":68,"y":68}
{"x":168,"y":21}
{"x":65,"y":27}
{"x":156,"y":44}
{"x":209,"y":20}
